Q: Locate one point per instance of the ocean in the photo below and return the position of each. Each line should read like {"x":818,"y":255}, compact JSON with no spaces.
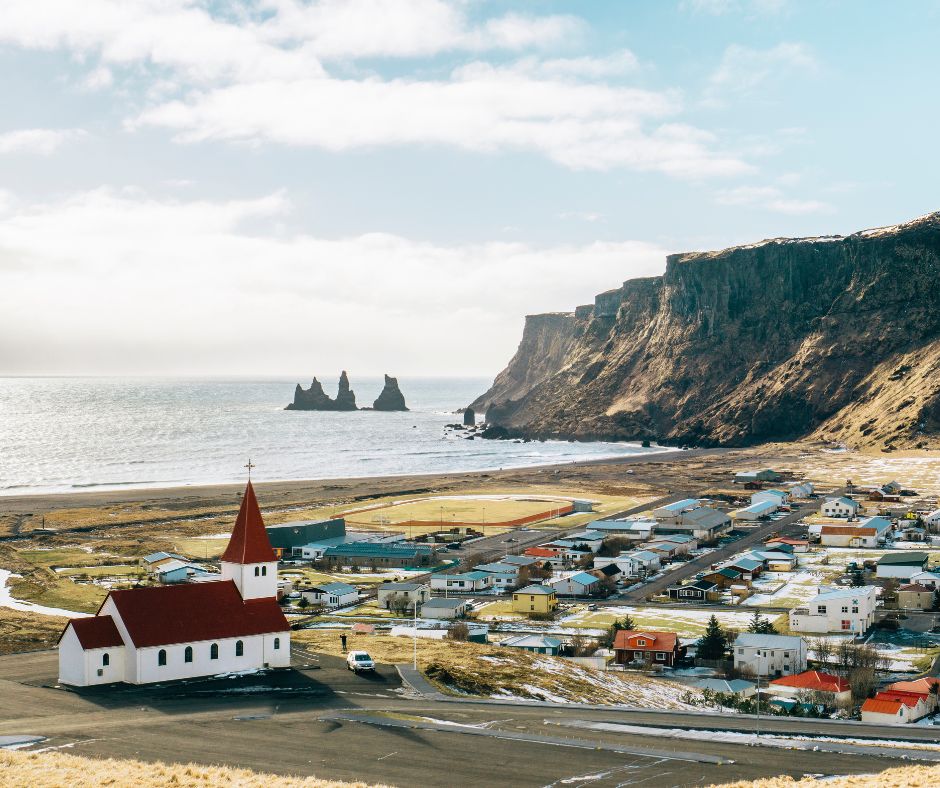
{"x":70,"y":434}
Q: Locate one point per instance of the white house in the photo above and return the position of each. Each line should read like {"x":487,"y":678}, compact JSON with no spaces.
{"x":579,"y":584}
{"x":840,"y":507}
{"x":165,"y":633}
{"x":755,"y":511}
{"x":388,"y":593}
{"x":894,"y":709}
{"x":933,"y":518}
{"x":867,"y":532}
{"x":778,"y":497}
{"x":927,"y":579}
{"x":465,"y":581}
{"x":801,"y":490}
{"x":635,"y":563}
{"x":769,"y":655}
{"x":502,"y":576}
{"x":848,"y":610}
{"x":903,"y":564}
{"x":331,"y":594}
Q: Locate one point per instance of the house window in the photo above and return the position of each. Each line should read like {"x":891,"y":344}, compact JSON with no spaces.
{"x":661,"y":655}
{"x":214,"y":651}
{"x":740,"y":651}
{"x":821,"y":609}
{"x":641,"y":642}
{"x":239,"y":648}
{"x":277,"y":643}
{"x":161,"y":657}
{"x":846,"y":624}
{"x":188,"y":654}
{"x":854,"y":609}
{"x":845,"y":608}
{"x":105,"y":659}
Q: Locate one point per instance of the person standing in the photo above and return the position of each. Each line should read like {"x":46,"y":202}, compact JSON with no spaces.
{"x":342,"y":640}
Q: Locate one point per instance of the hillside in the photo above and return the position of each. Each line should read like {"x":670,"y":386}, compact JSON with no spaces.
{"x":833,"y":337}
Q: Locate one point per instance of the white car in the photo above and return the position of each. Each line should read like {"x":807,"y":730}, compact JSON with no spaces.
{"x":359,"y":660}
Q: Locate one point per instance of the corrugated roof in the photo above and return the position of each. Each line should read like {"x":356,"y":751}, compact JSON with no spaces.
{"x":814,"y":680}
{"x":655,"y":641}
{"x":535,"y":589}
{"x":249,"y":543}
{"x":880,"y":706}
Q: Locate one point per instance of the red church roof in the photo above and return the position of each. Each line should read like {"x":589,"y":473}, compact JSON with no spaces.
{"x":96,"y":632}
{"x":814,"y":680}
{"x":249,"y":543}
{"x":186,"y":613}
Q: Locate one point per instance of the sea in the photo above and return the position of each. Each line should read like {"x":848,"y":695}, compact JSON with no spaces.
{"x":70,"y":434}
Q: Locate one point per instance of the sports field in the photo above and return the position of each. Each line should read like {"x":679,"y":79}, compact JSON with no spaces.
{"x":477,"y":511}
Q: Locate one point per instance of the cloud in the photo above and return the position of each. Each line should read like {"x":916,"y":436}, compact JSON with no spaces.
{"x":770,"y":198}
{"x":41,"y":142}
{"x":743,"y":69}
{"x":224,"y":292}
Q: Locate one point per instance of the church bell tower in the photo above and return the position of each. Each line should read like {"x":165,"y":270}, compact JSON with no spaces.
{"x":249,"y":559}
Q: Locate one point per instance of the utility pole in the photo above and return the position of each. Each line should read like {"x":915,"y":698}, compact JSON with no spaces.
{"x":416,"y":635}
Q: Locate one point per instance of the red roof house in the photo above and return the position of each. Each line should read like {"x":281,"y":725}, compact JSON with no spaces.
{"x":655,"y":648}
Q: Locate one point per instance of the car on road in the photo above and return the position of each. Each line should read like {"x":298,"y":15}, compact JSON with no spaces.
{"x":358,"y":661}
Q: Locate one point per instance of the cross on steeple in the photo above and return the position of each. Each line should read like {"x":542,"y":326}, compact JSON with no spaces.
{"x":249,"y":466}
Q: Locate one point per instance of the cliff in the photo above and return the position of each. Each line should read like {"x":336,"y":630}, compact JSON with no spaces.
{"x":391,"y":397}
{"x":315,"y":398}
{"x":833,"y":337}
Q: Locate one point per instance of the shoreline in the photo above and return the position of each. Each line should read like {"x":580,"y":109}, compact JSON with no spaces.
{"x":29,"y":503}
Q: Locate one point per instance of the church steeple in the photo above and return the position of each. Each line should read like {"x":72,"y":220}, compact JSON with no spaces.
{"x":249,"y":559}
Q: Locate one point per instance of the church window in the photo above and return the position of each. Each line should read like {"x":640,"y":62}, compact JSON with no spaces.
{"x":264,"y":571}
{"x":277,"y":643}
{"x":239,"y":648}
{"x":214,"y":651}
{"x":161,"y":657}
{"x":105,"y":659}
{"x":257,"y":571}
{"x":188,"y":654}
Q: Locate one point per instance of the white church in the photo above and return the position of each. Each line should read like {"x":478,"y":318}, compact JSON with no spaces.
{"x":164,"y":633}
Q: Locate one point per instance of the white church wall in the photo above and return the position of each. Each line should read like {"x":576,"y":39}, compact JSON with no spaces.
{"x":251,"y":585}
{"x":130,"y":652}
{"x":80,"y":668}
{"x":254,"y":656}
{"x":71,"y":660}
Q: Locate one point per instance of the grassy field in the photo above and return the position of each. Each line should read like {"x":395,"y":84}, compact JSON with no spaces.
{"x":494,"y":671}
{"x":686,"y":623}
{"x":21,"y":631}
{"x":900,"y":777}
{"x":56,"y":769}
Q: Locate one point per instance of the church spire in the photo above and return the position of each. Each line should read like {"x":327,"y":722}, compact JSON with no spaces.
{"x":249,"y":543}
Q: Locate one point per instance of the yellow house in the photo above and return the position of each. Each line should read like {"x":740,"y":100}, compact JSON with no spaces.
{"x":534,"y":599}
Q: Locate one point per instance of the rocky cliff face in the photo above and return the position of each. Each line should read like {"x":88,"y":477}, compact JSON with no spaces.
{"x":834,"y":337}
{"x":391,"y":397}
{"x":315,"y":398}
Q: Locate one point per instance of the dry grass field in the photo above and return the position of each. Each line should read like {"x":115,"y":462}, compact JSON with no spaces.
{"x":56,"y":769}
{"x":20,"y":631}
{"x":901,"y":777}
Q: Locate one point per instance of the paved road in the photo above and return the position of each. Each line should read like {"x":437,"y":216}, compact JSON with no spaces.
{"x":757,"y":536}
{"x":300,"y":722}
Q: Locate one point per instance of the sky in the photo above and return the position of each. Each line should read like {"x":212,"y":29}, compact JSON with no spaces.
{"x":289,"y":187}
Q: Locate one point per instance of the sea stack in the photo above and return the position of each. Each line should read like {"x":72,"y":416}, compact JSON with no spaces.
{"x":315,"y":398}
{"x":391,"y":397}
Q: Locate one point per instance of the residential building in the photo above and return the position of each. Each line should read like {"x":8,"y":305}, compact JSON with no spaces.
{"x":801,"y":490}
{"x":928,"y":579}
{"x":518,"y":560}
{"x":769,"y":655}
{"x":915,"y":597}
{"x":152,"y":562}
{"x":174,"y":571}
{"x":921,"y":686}
{"x":749,"y":567}
{"x":463,"y":581}
{"x":444,"y":608}
{"x":503,"y":576}
{"x":188,"y":630}
{"x":579,"y":584}
{"x":725,"y":577}
{"x":699,"y":591}
{"x":647,"y":647}
{"x":667,"y":551}
{"x":893,"y":709}
{"x":774,"y":560}
{"x":756,"y":511}
{"x":547,"y":556}
{"x":775,"y":496}
{"x":798,"y":545}
{"x":388,"y":594}
{"x":685,"y":541}
{"x":902,"y":564}
{"x":537,"y":599}
{"x":739,"y":687}
{"x":331,"y":594}
{"x":592,"y":540}
{"x":537,"y":644}
{"x":818,"y":687}
{"x":933,"y":518}
{"x":637,"y":563}
{"x":840,"y":507}
{"x":845,"y":610}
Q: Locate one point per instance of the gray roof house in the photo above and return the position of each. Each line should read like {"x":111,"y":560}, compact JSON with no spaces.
{"x":538,"y":644}
{"x":440,"y":607}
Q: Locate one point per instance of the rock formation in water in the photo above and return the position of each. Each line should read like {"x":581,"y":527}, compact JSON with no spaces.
{"x":834,"y":338}
{"x":469,"y":417}
{"x":315,"y":398}
{"x":391,"y":397}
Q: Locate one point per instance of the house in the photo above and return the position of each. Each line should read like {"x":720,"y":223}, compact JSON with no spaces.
{"x":672,"y":510}
{"x":187,"y":630}
{"x":579,"y":584}
{"x":389,"y":594}
{"x":769,"y":655}
{"x":699,"y":591}
{"x":519,"y":560}
{"x":840,"y":507}
{"x":928,"y":579}
{"x":894,"y":709}
{"x":503,"y":576}
{"x":174,"y":571}
{"x":591,"y":540}
{"x":848,"y":610}
{"x":609,"y":571}
{"x":739,"y":687}
{"x":915,"y":597}
{"x":442,"y":608}
{"x":775,"y":496}
{"x":547,"y":556}
{"x":380,"y":554}
{"x":537,"y":644}
{"x":704,"y":523}
{"x":535,"y":599}
{"x":463,"y":581}
{"x":331,"y":594}
{"x":868,"y":532}
{"x":152,"y":562}
{"x":763,"y":475}
{"x":666,"y":551}
{"x":774,"y":560}
{"x":801,"y":490}
{"x":653,"y":648}
{"x":748,"y":567}
{"x":921,"y":686}
{"x":755,"y":511}
{"x":686,"y":542}
{"x":638,"y":563}
{"x":902,"y":563}
{"x":798,"y":545}
{"x":933,"y":518}
{"x":724,"y":577}
{"x":819,"y":687}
